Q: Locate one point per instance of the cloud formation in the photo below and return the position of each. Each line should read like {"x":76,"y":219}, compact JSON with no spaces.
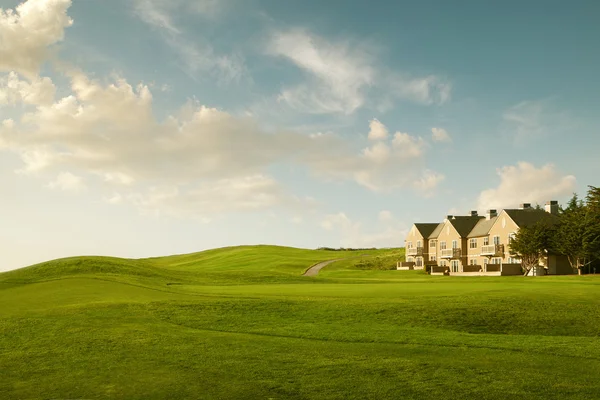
{"x":197,"y":161}
{"x":524,"y":183}
{"x":28,"y":31}
{"x":341,"y":74}
{"x":440,"y":135}
{"x":197,"y":56}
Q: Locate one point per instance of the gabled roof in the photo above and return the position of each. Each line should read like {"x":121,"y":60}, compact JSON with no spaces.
{"x":530,"y":216}
{"x":426,"y":229}
{"x":436,"y":232}
{"x":483,"y":227}
{"x":464,"y":224}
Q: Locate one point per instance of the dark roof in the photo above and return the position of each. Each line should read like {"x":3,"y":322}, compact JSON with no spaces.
{"x":436,"y":231}
{"x":464,"y":224}
{"x":483,"y":227}
{"x":530,"y":216}
{"x":426,"y":229}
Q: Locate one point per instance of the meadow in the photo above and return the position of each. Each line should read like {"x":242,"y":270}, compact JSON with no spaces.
{"x":243,"y":323}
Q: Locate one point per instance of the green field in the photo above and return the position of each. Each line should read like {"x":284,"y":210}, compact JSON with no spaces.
{"x":243,"y":323}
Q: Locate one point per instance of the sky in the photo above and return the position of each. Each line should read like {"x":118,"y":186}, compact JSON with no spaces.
{"x":138,"y":128}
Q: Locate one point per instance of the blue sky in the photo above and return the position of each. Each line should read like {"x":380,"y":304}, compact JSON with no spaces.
{"x":153,"y":127}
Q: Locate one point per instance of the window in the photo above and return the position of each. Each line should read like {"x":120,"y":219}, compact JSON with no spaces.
{"x":419,"y":262}
{"x":419,"y":244}
{"x":486,"y":241}
{"x":485,"y":261}
{"x":496,"y":239}
{"x":512,"y":260}
{"x":473,"y":243}
{"x":496,"y":260}
{"x":442,"y":263}
{"x":409,"y":259}
{"x":473,"y":261}
{"x":409,"y":245}
{"x":455,"y":244}
{"x":442,"y":245}
{"x":432,"y":243}
{"x":511,"y":236}
{"x":431,"y":258}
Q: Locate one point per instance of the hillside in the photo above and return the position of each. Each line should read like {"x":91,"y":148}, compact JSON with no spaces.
{"x":242,"y":322}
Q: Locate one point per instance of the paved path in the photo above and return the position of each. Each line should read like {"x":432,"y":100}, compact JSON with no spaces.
{"x":314,"y":270}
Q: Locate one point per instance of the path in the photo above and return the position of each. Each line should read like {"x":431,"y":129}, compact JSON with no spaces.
{"x":314,"y":270}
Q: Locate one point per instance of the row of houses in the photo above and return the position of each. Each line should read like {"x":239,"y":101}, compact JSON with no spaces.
{"x":475,"y":244}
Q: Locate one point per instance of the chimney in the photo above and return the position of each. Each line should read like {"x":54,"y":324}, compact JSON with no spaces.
{"x":473,"y":213}
{"x":525,"y":206}
{"x":552,"y":207}
{"x":491,"y":214}
{"x":448,"y":216}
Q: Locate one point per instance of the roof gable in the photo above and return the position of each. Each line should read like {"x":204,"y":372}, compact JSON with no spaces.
{"x":436,"y":232}
{"x":531,"y":216}
{"x":426,"y":228}
{"x":464,"y":224}
{"x":483,"y":227}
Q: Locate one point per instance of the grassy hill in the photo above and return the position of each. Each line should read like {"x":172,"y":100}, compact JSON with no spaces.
{"x":242,"y":322}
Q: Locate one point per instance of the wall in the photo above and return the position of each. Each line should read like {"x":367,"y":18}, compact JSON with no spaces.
{"x":511,"y":269}
{"x":503,"y":226}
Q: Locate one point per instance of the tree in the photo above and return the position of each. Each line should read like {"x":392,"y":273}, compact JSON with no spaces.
{"x":531,"y":243}
{"x":569,"y":235}
{"x":592,"y":223}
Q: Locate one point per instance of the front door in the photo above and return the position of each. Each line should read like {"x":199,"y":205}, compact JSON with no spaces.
{"x":455,"y":266}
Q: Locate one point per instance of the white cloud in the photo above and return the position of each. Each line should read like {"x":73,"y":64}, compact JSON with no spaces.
{"x":339,"y":220}
{"x":440,"y":135}
{"x":352,"y":234}
{"x":341,"y":74}
{"x":428,"y":182}
{"x":27,"y":32}
{"x":13,"y":90}
{"x":68,"y":182}
{"x":524,"y":183}
{"x":377,"y":130}
{"x":409,"y":146}
{"x":428,"y":90}
{"x":530,"y":121}
{"x":197,"y":55}
{"x":385,"y":215}
{"x":382,"y":166}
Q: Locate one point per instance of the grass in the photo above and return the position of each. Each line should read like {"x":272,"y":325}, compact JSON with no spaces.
{"x":243,"y":323}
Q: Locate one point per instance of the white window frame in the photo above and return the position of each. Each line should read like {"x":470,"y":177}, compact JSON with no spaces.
{"x":473,"y":243}
{"x":486,"y":241}
{"x":496,"y":240}
{"x":443,"y":245}
{"x":455,"y":244}
{"x":455,"y":265}
{"x":432,"y":243}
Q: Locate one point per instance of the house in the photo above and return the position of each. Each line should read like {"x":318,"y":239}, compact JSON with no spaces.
{"x":417,"y":245}
{"x":480,"y":245}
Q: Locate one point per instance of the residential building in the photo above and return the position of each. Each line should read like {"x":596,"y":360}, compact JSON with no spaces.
{"x":481,"y":244}
{"x":417,"y":245}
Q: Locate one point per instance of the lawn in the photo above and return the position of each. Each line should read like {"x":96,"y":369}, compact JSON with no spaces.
{"x":243,"y":323}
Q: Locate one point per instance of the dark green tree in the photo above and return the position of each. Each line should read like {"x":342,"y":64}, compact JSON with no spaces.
{"x":569,"y":235}
{"x":592,"y":223}
{"x":531,"y":243}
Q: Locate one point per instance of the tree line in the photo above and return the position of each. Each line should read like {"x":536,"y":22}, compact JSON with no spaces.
{"x":574,"y":234}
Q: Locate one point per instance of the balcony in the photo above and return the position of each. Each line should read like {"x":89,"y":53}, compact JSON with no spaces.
{"x":414,"y":251}
{"x":451,"y":253}
{"x":494,"y":250}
